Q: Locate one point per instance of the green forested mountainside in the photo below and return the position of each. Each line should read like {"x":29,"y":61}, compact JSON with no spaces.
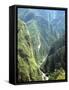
{"x":57,"y":44}
{"x":54,"y":65}
{"x":57,"y":75}
{"x":27,"y":67}
{"x":55,"y":61}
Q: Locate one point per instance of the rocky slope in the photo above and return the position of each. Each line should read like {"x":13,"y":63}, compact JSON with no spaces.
{"x":27,"y":67}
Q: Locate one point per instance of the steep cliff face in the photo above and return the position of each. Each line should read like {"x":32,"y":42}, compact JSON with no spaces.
{"x":27,"y":67}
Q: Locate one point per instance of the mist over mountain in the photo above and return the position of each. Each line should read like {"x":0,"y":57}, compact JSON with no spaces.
{"x":49,"y":15}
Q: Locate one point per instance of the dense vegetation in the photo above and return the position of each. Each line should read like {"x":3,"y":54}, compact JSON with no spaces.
{"x":41,"y":45}
{"x":54,"y":65}
{"x":27,"y":68}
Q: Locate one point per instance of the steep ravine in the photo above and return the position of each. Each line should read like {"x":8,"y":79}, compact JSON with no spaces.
{"x":41,"y":48}
{"x":28,"y":68}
